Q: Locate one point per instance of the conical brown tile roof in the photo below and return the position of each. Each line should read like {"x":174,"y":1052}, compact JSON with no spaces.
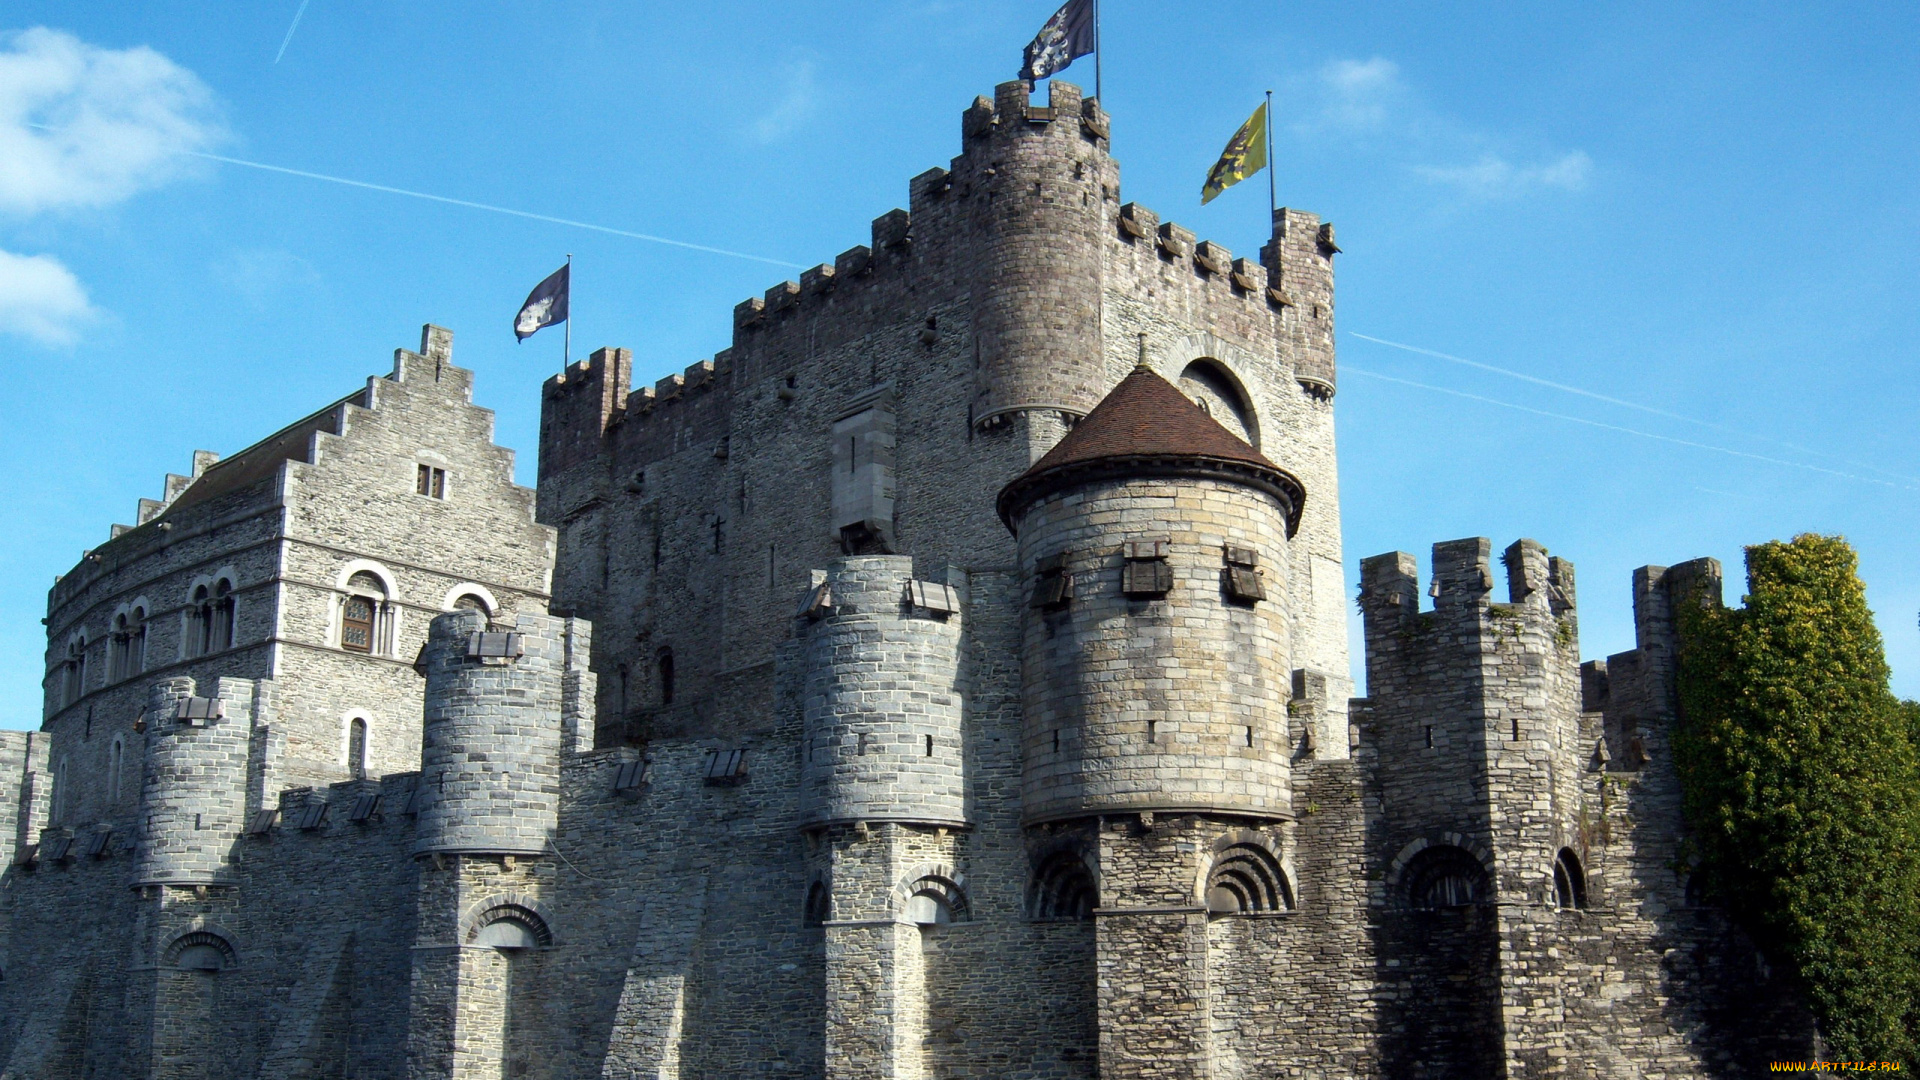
{"x":1146,"y":426}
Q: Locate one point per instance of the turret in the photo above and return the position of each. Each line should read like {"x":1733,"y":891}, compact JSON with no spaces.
{"x":194,"y":792}
{"x":1156,"y":662}
{"x":1043,"y":192}
{"x":882,"y":705}
{"x":1299,"y":261}
{"x":497,"y":714}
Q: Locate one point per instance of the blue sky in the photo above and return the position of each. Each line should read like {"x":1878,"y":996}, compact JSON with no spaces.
{"x":1703,"y":217}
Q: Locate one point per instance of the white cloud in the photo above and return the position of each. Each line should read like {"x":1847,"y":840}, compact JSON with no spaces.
{"x":40,"y":299}
{"x":1357,"y":94}
{"x":262,"y":275}
{"x":85,"y":126}
{"x":796,"y":105}
{"x":1493,"y":176}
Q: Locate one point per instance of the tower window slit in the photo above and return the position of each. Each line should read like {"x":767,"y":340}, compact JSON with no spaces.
{"x":929,"y":746}
{"x":1249,"y":734}
{"x":1429,"y":736}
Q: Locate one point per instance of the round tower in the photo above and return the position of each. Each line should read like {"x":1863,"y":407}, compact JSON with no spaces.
{"x":490,"y":743}
{"x":1041,"y":184}
{"x":881,"y":707}
{"x":1155,"y":658}
{"x":193,"y":793}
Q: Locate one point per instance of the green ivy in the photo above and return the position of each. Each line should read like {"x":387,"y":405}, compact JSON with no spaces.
{"x":1802,"y":785}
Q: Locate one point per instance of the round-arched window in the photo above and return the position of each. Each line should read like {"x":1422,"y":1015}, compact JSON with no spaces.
{"x":1445,"y":877}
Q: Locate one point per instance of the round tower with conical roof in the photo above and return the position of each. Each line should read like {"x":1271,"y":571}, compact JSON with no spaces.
{"x":1156,"y":667}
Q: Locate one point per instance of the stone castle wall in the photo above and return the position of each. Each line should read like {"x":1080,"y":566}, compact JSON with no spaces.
{"x":774,"y":790}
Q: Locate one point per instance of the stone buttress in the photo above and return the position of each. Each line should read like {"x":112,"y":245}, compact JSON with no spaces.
{"x":1476,"y":722}
{"x":883,"y":797}
{"x":1155,"y":673}
{"x":503,"y":704}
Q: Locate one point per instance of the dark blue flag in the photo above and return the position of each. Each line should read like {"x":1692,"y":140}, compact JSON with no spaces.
{"x":1067,"y":35}
{"x":546,"y":305}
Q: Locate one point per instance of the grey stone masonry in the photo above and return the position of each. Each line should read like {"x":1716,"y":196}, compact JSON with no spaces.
{"x":194,"y":792}
{"x":1043,"y":193}
{"x":893,"y":750}
{"x":1166,"y":701}
{"x":490,"y":746}
{"x":884,"y":725}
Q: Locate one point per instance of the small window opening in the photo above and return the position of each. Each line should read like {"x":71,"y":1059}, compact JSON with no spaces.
{"x":1153,"y":727}
{"x":862,"y":751}
{"x":357,"y":749}
{"x":1516,"y":729}
{"x":929,"y":739}
{"x":76,"y":672}
{"x":1249,"y":734}
{"x":665,"y":666}
{"x":1056,"y":740}
{"x":431,"y":482}
{"x":1569,"y":884}
{"x":1429,"y":736}
{"x":220,"y":635}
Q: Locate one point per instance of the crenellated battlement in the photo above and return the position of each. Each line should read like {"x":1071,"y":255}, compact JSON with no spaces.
{"x":1539,"y":587}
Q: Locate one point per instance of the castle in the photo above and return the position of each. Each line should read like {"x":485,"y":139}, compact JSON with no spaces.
{"x":948,"y":679}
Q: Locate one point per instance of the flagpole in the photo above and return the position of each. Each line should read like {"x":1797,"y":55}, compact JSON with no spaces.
{"x":566,"y":348}
{"x":1273,"y":200}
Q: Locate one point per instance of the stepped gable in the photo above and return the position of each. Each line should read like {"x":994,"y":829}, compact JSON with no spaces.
{"x":1146,"y":427}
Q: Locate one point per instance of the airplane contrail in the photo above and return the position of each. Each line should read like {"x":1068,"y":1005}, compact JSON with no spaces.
{"x":296,"y":25}
{"x":1625,"y":404}
{"x":1623,"y":430}
{"x":264,"y":167}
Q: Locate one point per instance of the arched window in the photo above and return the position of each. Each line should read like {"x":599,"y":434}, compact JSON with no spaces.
{"x":1219,"y":395}
{"x":137,"y":643}
{"x":128,"y":655}
{"x":510,"y":927}
{"x":116,"y":758}
{"x":117,"y":654}
{"x":470,"y":602}
{"x":1247,"y":878}
{"x":76,"y":670}
{"x":1444,"y":876}
{"x":1569,"y":883}
{"x":365,"y":614}
{"x":935,"y":901}
{"x":201,"y":951}
{"x":357,"y":748}
{"x":819,"y":905}
{"x":200,"y":621}
{"x":666,"y":676}
{"x":1063,"y":889}
{"x":220,"y":621}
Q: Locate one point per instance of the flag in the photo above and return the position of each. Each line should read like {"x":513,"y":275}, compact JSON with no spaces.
{"x":1069,"y":34}
{"x":1246,"y":154}
{"x":546,"y":305}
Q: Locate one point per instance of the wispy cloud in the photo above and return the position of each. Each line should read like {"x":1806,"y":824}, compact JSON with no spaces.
{"x":41,"y":300}
{"x":262,"y":275}
{"x":1493,"y":176}
{"x":798,"y":101}
{"x":82,"y":126}
{"x":1371,"y":104}
{"x":1357,"y":95}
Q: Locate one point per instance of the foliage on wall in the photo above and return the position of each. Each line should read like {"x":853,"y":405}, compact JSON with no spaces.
{"x":1802,"y":783}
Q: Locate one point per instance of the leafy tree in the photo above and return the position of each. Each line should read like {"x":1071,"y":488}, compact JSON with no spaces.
{"x":1802,"y":785}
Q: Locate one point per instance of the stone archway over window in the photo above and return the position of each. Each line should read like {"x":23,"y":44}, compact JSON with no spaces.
{"x":1062,"y":889}
{"x":1220,"y":395}
{"x":200,"y":950}
{"x":1247,"y":878}
{"x":1444,"y":876}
